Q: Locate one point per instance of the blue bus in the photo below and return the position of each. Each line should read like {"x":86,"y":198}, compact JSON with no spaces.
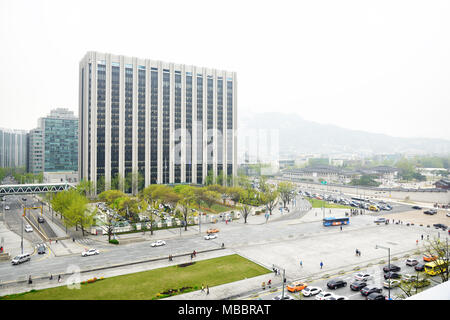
{"x":332,"y":221}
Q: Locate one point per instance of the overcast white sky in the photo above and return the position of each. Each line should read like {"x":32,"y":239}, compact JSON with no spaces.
{"x":379,"y":66}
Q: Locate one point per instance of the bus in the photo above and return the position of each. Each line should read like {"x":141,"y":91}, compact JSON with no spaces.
{"x":435,"y":267}
{"x":332,"y":221}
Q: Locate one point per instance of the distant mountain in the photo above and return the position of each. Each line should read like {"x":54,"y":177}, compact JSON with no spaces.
{"x":300,"y":136}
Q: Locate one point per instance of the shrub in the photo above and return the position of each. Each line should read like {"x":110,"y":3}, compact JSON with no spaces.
{"x":114,"y":241}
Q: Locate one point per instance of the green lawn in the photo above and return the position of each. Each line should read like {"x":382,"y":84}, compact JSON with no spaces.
{"x":148,"y":284}
{"x":320,"y":203}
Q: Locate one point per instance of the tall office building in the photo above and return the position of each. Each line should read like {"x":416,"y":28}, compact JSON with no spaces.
{"x":53,"y":146}
{"x":13,"y":148}
{"x":154,"y":121}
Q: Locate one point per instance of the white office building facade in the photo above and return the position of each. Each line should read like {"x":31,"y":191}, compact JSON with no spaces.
{"x":152,"y":122}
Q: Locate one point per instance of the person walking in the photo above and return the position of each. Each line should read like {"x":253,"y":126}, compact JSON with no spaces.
{"x":417,"y":242}
{"x":340,"y":227}
{"x":301,"y":264}
{"x":203,"y":288}
{"x":59,"y":278}
{"x":422,"y":236}
{"x":29,"y":280}
{"x":321,"y":264}
{"x":207,"y":289}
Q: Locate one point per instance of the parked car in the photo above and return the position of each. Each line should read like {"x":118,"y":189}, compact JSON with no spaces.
{"x":158,"y":243}
{"x":311,"y":291}
{"x":419,"y":267}
{"x":417,"y":207}
{"x":362,"y":276}
{"x":334,"y":297}
{"x":40,"y":219}
{"x":430,"y":212}
{"x":90,"y":252}
{"x":296,"y":286}
{"x":409,"y":277}
{"x":210,"y":236}
{"x":28,"y":228}
{"x":440,"y":226}
{"x":392,"y":275}
{"x":323,"y":295}
{"x":429,"y":257}
{"x":6,"y":207}
{"x":411,"y":262}
{"x":391,"y":283}
{"x":391,"y":267}
{"x":358,"y":285}
{"x":376,"y":296}
{"x":286,"y":297}
{"x":448,"y":214}
{"x":370,"y":289}
{"x":336,"y":283}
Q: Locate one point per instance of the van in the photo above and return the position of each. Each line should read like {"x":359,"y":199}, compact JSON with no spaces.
{"x":21,"y":258}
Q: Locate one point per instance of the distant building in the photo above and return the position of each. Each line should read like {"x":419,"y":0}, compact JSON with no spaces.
{"x":53,"y":146}
{"x":13,"y":148}
{"x":321,"y":173}
{"x":443,"y":184}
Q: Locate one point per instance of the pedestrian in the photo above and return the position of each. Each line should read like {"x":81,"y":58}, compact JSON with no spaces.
{"x":321,"y":264}
{"x":195,"y":253}
{"x":340,"y":227}
{"x":207,"y":289}
{"x":203,"y":288}
{"x":428,"y":236}
{"x":191,"y":255}
{"x":301,"y":263}
{"x":29,"y":280}
{"x":59,"y":278}
{"x":417,"y":242}
{"x":422,"y":237}
{"x":263,"y":285}
{"x":269,"y":283}
{"x":51,"y":277}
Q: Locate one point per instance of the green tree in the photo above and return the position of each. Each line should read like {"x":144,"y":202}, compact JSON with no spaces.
{"x":286,"y":190}
{"x":188,"y":201}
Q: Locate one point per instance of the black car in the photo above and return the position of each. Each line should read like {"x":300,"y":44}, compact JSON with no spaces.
{"x":419,"y":267}
{"x":392,"y":275}
{"x":336,"y":283}
{"x":391,"y":267}
{"x":24,"y":199}
{"x":40,"y":219}
{"x":417,"y":207}
{"x":376,"y":296}
{"x":370,"y":289}
{"x":431,"y":211}
{"x":440,"y":225}
{"x":358,"y":285}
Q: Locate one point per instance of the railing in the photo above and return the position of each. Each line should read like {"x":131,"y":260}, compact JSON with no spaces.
{"x":18,"y":189}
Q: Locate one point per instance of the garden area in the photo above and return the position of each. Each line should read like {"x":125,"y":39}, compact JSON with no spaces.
{"x":154,"y":284}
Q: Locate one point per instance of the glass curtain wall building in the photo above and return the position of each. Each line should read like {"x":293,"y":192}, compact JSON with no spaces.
{"x":148,"y":122}
{"x":13,"y":148}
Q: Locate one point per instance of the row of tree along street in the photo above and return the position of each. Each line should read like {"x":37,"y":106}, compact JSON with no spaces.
{"x":180,"y":201}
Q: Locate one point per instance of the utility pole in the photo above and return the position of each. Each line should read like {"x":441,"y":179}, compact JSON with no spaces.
{"x":275,"y":267}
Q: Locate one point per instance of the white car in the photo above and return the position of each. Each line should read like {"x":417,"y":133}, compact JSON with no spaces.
{"x":334,"y":297}
{"x":411,"y":262}
{"x":323,"y":295}
{"x":448,"y":214}
{"x":311,"y":291}
{"x":210,"y":236}
{"x":286,"y":297}
{"x":6,"y":207}
{"x":90,"y":252}
{"x":363,"y":276}
{"x":409,"y":277}
{"x":391,"y":283}
{"x":28,"y":228}
{"x":158,"y":243}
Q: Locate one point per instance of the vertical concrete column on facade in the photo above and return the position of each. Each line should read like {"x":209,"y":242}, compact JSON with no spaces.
{"x":214,"y":148}
{"x":234,"y":126}
{"x":108,"y":124}
{"x":160,"y":122}
{"x":122,"y":124}
{"x":194,"y":125}
{"x":224,"y":127}
{"x":148,"y":74}
{"x":205,"y":125}
{"x":172,"y":124}
{"x":80,"y":125}
{"x":86,"y":123}
{"x":93,"y":168}
{"x":135,"y":136}
{"x":183,"y":125}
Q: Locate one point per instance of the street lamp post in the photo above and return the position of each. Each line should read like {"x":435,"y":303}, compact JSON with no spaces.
{"x":389,"y":267}
{"x":283,"y":280}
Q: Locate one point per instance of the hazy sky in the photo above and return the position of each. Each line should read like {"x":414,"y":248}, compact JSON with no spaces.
{"x":379,"y":66}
